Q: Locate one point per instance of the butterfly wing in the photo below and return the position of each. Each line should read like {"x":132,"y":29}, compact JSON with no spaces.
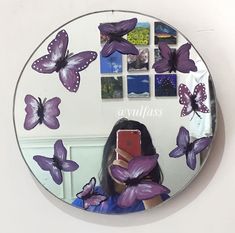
{"x":141,"y":166}
{"x":60,"y":152}
{"x":183,"y":63}
{"x":44,"y":65}
{"x":201,"y":144}
{"x":122,"y":46}
{"x":197,"y":146}
{"x":69,"y":75}
{"x":94,"y":200}
{"x":183,"y":137}
{"x":119,"y":29}
{"x":182,"y":142}
{"x":163,"y":64}
{"x":125,"y":26}
{"x":57,"y":49}
{"x":69,"y":166}
{"x":185,"y":99}
{"x":51,"y":111}
{"x":119,"y":173}
{"x":200,"y":93}
{"x":47,"y":164}
{"x":87,"y":188}
{"x":148,"y":189}
{"x":31,"y":118}
{"x":128,"y":197}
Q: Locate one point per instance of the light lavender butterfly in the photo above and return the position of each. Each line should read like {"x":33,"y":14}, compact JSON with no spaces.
{"x":57,"y":163}
{"x":61,"y":61}
{"x":89,"y":196}
{"x":138,"y":186}
{"x":38,"y":112}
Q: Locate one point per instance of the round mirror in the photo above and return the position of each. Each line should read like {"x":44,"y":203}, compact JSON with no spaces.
{"x":115,"y":112}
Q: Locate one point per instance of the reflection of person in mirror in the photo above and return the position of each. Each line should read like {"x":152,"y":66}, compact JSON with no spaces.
{"x":114,"y":189}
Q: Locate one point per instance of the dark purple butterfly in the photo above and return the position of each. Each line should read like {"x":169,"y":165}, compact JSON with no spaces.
{"x":38,"y":112}
{"x":89,"y":196}
{"x":114,"y":32}
{"x":138,"y":186}
{"x":61,"y":61}
{"x":172,"y":60}
{"x":58,"y":163}
{"x":189,"y":149}
{"x":193,"y":102}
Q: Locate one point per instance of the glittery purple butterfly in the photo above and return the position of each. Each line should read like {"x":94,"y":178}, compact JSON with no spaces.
{"x":38,"y":112}
{"x":138,"y":186}
{"x":184,"y":147}
{"x":58,"y":163}
{"x":114,"y":33}
{"x":193,"y":102}
{"x":172,"y":60}
{"x":89,"y":196}
{"x":61,"y":61}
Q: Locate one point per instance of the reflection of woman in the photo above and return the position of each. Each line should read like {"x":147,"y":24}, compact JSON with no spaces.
{"x":113,"y":189}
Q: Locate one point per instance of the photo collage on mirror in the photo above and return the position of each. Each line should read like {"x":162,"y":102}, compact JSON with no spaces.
{"x":132,"y":75}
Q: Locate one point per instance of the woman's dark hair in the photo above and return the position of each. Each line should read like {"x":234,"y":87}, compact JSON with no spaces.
{"x":147,"y":148}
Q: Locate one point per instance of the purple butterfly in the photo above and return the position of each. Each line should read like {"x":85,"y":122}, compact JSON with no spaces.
{"x":172,"y":60}
{"x":58,"y":163}
{"x":138,"y":186}
{"x":89,"y":196}
{"x":189,"y":149}
{"x":38,"y":112}
{"x":193,"y":102}
{"x":61,"y":61}
{"x":114,"y":32}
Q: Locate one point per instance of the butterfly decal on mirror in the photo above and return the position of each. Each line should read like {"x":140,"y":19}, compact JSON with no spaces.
{"x":193,"y":102}
{"x":58,"y":163}
{"x":38,"y":112}
{"x":138,"y":186}
{"x":138,"y":62}
{"x":174,"y":60}
{"x":89,"y":195}
{"x":59,"y":60}
{"x":114,"y":33}
{"x":189,"y":149}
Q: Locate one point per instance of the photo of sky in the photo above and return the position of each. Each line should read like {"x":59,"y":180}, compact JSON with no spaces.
{"x":138,"y":85}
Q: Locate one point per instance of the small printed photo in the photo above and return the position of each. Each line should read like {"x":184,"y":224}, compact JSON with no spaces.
{"x":165,"y":85}
{"x":164,"y":33}
{"x":157,"y":54}
{"x":138,"y":86}
{"x":138,"y":62}
{"x":111,"y":87}
{"x":111,"y":64}
{"x":140,"y":35}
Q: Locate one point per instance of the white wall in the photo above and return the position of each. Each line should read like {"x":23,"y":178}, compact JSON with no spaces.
{"x":207,"y":201}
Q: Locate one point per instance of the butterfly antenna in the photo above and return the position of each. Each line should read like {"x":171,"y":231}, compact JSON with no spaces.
{"x":192,"y":116}
{"x":198,"y":115}
{"x":40,"y":100}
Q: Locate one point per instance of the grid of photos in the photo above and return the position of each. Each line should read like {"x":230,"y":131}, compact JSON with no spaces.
{"x":137,"y":67}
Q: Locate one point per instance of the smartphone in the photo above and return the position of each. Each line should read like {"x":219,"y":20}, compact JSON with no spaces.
{"x":129,"y":140}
